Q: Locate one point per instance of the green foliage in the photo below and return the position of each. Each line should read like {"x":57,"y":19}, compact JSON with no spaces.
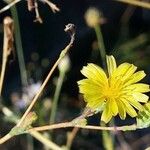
{"x":143,"y":118}
{"x":29,"y":120}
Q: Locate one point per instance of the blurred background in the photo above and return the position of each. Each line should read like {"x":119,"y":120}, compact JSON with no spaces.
{"x":126,"y":35}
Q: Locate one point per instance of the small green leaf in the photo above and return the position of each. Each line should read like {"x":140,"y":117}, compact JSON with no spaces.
{"x":16,"y":131}
{"x":25,"y":125}
{"x":79,"y":121}
{"x":143,"y":118}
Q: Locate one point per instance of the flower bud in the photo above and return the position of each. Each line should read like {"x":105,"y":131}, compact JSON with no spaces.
{"x":93,"y":17}
{"x":64,"y":64}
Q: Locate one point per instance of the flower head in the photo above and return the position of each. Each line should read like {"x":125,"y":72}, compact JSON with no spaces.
{"x":64,"y":64}
{"x":92,"y":17}
{"x":115,"y":93}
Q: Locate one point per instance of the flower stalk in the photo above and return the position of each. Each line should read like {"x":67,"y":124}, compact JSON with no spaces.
{"x":8,"y":46}
{"x":69,"y":28}
{"x":101,"y":44}
{"x":136,"y":3}
{"x":56,"y":97}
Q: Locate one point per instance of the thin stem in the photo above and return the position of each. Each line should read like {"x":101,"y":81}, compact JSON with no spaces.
{"x":56,"y":96}
{"x":39,"y":92}
{"x":45,"y":141}
{"x":107,"y":139}
{"x":101,"y":44}
{"x":30,"y":145}
{"x":70,"y":124}
{"x":19,"y":47}
{"x":9,"y":5}
{"x":71,"y":137}
{"x":38,"y":17}
{"x":62,"y":54}
{"x":7,"y":46}
{"x":4,"y":62}
{"x":53,"y":126}
{"x":136,"y":3}
{"x":53,"y":7}
{"x":5,"y":138}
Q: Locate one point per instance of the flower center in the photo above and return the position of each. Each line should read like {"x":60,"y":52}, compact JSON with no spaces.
{"x":112,"y":91}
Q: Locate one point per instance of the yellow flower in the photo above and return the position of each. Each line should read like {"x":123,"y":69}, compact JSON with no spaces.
{"x":115,"y":93}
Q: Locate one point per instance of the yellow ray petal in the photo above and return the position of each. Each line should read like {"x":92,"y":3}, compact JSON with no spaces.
{"x":106,"y":115}
{"x":129,"y":72}
{"x":95,"y":73}
{"x":89,"y":83}
{"x":140,"y":97}
{"x":111,"y":64}
{"x":134,"y":103}
{"x":121,"y":109}
{"x":115,"y":82}
{"x":135,"y":78}
{"x":138,"y":87}
{"x":114,"y":107}
{"x":86,"y":87}
{"x":129,"y":109}
{"x":91,"y":97}
{"x":124,"y":70}
{"x":95,"y":105}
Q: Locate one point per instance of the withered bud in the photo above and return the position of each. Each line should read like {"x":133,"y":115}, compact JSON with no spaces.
{"x":70,"y":28}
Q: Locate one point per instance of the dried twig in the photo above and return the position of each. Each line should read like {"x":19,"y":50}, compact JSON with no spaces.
{"x":70,"y":137}
{"x":9,"y":5}
{"x":53,"y":7}
{"x":136,"y":3}
{"x":90,"y":127}
{"x":38,"y":17}
{"x":31,"y":4}
{"x":7,"y":46}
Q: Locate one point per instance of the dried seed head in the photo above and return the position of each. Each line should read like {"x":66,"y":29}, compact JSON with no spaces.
{"x":93,"y":17}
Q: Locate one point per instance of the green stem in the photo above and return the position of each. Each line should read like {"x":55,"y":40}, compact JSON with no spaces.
{"x":48,"y":143}
{"x":101,"y":44}
{"x":30,"y":145}
{"x":19,"y":48}
{"x":56,"y":96}
{"x":107,"y":138}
